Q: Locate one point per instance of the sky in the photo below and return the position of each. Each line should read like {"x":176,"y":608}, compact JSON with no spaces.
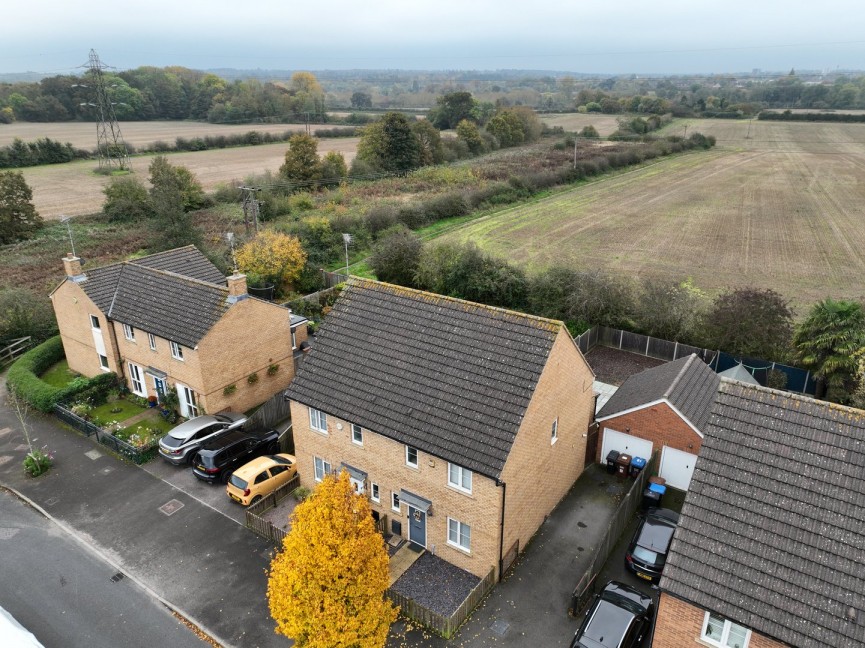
{"x":588,"y":36}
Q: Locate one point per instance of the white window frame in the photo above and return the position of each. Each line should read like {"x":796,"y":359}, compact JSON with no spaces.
{"x":461,"y":475}
{"x":416,"y":457}
{"x":136,"y":380}
{"x":321,"y":467}
{"x":294,"y":338}
{"x":554,"y":434}
{"x":191,"y":401}
{"x":317,"y":420}
{"x":395,"y":504}
{"x":176,"y":350}
{"x":356,"y":434}
{"x":94,"y":323}
{"x":104,"y":366}
{"x":129,"y":332}
{"x":725,"y":633}
{"x":457,"y":527}
{"x":151,"y":340}
{"x":374,"y":492}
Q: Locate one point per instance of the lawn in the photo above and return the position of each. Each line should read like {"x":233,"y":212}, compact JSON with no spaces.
{"x":59,"y":375}
{"x":116,"y":410}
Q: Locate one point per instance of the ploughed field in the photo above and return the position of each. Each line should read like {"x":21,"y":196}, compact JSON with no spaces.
{"x":780,"y":206}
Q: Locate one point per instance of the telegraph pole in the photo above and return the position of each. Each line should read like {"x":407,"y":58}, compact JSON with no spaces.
{"x":250,"y":207}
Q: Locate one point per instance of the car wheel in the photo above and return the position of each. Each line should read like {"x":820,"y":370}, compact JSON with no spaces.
{"x":273,"y":448}
{"x":189,"y":458}
{"x":226,"y":476}
{"x":255,"y":500}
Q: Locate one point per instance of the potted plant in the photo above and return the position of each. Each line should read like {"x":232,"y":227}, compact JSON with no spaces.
{"x":151,"y":401}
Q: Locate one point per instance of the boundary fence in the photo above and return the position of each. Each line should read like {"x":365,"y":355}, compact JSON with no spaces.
{"x":134,"y":453}
{"x":446,"y":626}
{"x":256,"y":523}
{"x":797,"y":380}
{"x":588,"y":584}
{"x":15,"y":348}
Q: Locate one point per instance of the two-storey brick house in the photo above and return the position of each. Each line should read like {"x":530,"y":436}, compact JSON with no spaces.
{"x":464,"y":424}
{"x":172,"y":321}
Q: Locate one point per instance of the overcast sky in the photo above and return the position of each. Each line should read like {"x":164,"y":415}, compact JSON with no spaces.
{"x":625,"y":36}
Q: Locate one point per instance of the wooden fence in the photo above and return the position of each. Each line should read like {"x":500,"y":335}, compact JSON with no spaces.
{"x":11,"y":351}
{"x":273,"y":412}
{"x":446,"y":626}
{"x":588,"y":584}
{"x":254,"y":520}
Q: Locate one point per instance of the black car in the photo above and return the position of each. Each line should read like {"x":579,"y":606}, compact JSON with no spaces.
{"x":647,"y":552}
{"x":619,"y":617}
{"x":218,"y":458}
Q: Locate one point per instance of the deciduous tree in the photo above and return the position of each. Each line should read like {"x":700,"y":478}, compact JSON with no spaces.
{"x":333,"y":168}
{"x":750,"y":322}
{"x":429,"y":142}
{"x":396,"y":255}
{"x":468,"y":132}
{"x":301,"y":159}
{"x":272,"y":257}
{"x":326,"y":587}
{"x":451,"y":109}
{"x":389,"y":144}
{"x":179,"y":178}
{"x":18,"y":217}
{"x":670,"y":309}
{"x":126,"y":199}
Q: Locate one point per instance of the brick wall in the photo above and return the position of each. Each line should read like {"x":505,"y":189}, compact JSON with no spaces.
{"x":680,"y":624}
{"x":539,"y":473}
{"x":73,"y":308}
{"x":659,"y":424}
{"x":383,"y":459}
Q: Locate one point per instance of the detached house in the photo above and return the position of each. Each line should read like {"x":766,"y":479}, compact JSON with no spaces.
{"x":770,"y":544}
{"x":172,"y":321}
{"x":463,"y":424}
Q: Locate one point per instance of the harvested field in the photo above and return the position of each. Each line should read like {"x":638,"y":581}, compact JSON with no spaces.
{"x":83,"y":134}
{"x":73,"y":189}
{"x":605,"y":124}
{"x":780,"y":209}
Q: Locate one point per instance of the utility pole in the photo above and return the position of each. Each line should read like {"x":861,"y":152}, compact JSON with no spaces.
{"x":346,"y":238}
{"x":575,"y":150}
{"x":250,"y":207}
{"x":109,"y":141}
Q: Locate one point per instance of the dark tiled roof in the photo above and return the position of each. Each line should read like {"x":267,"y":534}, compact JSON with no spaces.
{"x":450,"y":377}
{"x":178,"y":295}
{"x":187,"y":261}
{"x":772,"y":532}
{"x":168,"y":305}
{"x":687,"y":383}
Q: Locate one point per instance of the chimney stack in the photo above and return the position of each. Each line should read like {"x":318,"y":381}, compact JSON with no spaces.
{"x":72,"y":266}
{"x":236,"y":288}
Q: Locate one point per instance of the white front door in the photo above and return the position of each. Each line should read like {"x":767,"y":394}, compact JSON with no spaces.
{"x":625,"y":444}
{"x":188,"y":404}
{"x":677,"y":467}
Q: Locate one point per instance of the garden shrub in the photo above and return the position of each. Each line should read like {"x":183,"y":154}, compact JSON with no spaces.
{"x":446,"y":206}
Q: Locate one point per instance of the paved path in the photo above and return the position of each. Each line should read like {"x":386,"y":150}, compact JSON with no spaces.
{"x":68,"y":596}
{"x":197,"y":559}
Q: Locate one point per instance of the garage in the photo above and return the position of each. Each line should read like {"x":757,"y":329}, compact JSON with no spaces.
{"x":625,"y":443}
{"x":677,"y":467}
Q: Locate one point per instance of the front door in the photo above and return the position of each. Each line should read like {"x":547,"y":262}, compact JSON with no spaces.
{"x":417,"y":526}
{"x":159,"y":386}
{"x":357,"y":485}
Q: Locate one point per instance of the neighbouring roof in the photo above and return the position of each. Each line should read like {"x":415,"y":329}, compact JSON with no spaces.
{"x":187,"y":261}
{"x":772,"y":532}
{"x":450,"y":377}
{"x":739,"y":373}
{"x":688,"y":384}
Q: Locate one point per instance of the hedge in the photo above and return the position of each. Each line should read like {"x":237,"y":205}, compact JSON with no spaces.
{"x":23,"y":379}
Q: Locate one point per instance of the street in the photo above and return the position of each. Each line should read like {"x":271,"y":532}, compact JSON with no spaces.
{"x":68,"y":596}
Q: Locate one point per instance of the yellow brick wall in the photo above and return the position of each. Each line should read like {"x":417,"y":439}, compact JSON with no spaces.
{"x":539,"y":473}
{"x":383,"y":459}
{"x":680,"y":624}
{"x":73,"y":308}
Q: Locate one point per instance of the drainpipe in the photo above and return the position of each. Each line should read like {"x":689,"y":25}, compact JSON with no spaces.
{"x":502,"y":527}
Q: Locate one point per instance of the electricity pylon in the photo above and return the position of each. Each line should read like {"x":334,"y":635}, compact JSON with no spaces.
{"x":109,"y":141}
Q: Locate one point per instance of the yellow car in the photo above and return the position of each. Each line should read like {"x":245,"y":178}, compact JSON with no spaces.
{"x":260,"y":477}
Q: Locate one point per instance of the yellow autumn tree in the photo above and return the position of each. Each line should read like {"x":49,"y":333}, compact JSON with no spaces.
{"x":326,"y":587}
{"x":273,"y":257}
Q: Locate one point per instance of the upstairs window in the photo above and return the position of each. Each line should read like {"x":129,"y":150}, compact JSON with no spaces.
{"x":460,"y":478}
{"x":317,"y":420}
{"x":151,"y":340}
{"x":411,"y":456}
{"x":129,"y":332}
{"x":176,"y":350}
{"x":554,"y":436}
{"x":94,"y":322}
{"x":722,"y":632}
{"x":356,"y":434}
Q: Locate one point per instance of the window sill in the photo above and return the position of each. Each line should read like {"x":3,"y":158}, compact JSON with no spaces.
{"x":459,"y":548}
{"x":321,"y":432}
{"x":415,"y":467}
{"x":461,"y":491}
{"x":554,"y":441}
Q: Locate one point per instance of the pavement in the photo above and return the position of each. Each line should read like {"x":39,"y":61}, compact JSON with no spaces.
{"x":66,"y":595}
{"x":195,"y":557}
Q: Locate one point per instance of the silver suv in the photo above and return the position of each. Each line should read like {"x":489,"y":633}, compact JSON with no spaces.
{"x":181,"y":443}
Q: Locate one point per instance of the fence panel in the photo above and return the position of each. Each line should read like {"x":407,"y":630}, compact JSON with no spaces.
{"x":332,"y":279}
{"x":254,"y":522}
{"x":273,"y":412}
{"x":10,"y":353}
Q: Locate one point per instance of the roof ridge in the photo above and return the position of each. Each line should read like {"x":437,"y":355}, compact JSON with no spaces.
{"x":497,"y":309}
{"x":850,"y":411}
{"x":678,"y":377}
{"x":177,"y":275}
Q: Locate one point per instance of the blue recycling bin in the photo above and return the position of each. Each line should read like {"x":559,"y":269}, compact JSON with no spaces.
{"x":637,"y":465}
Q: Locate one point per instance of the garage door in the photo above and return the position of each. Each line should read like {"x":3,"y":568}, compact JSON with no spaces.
{"x":625,"y":443}
{"x":677,"y":467}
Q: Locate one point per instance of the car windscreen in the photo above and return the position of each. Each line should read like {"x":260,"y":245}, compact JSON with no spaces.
{"x":170,"y":441}
{"x":238,"y":482}
{"x":281,"y":460}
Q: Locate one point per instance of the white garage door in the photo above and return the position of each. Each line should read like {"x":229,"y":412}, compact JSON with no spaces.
{"x":677,"y":467}
{"x":626,"y":444}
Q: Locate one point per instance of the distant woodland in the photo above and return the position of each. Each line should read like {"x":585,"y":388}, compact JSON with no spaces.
{"x":150,"y":93}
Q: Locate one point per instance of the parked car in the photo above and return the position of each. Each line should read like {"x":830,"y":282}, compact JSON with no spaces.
{"x":260,"y":477}
{"x":219,"y":457}
{"x":182,"y":442}
{"x":619,"y":617}
{"x":647,"y":553}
